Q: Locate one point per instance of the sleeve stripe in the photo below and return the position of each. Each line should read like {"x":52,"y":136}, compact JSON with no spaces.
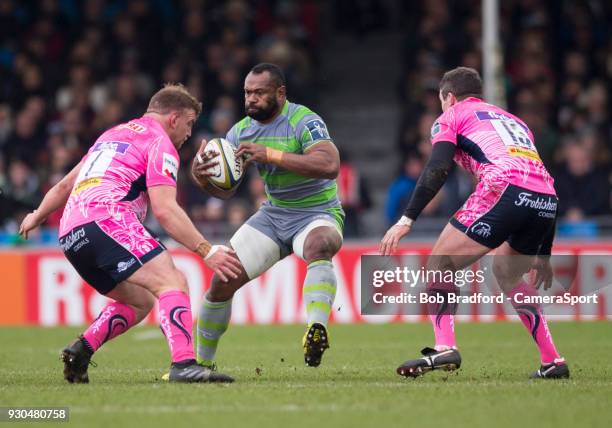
{"x":310,"y":146}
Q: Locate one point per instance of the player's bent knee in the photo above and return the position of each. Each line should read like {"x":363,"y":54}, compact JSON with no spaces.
{"x":320,"y":240}
{"x":323,"y":247}
{"x":221,"y":291}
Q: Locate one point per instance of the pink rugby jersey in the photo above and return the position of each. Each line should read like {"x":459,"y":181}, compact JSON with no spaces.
{"x":116,"y":172}
{"x":494,"y":145}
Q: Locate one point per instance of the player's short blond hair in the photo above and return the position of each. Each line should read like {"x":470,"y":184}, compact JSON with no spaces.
{"x":173,"y":97}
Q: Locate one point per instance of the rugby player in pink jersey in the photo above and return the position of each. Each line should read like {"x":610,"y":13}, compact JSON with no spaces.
{"x":105,"y":200}
{"x":513,"y":210}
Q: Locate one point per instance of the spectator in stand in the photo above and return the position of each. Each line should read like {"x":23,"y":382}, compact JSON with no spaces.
{"x":73,"y":68}
{"x":583,"y":188}
{"x":21,"y":193}
{"x":401,"y":189}
{"x":353,"y":194}
{"x":556,"y":80}
{"x":6,"y":125}
{"x":26,"y":140}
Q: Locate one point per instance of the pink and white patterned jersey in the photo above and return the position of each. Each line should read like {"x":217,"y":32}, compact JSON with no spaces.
{"x":494,"y":145}
{"x":116,"y":172}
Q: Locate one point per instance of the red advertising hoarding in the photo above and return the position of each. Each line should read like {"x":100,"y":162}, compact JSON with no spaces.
{"x":40,"y":287}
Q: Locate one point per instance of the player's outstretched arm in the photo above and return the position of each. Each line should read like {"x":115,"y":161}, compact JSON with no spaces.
{"x":55,"y":198}
{"x":319,"y":161}
{"x":429,"y":184}
{"x":201,"y":170}
{"x":178,"y":225}
{"x":389,"y":243}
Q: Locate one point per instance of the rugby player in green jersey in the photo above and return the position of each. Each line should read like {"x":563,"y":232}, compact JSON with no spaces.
{"x":298,"y":162}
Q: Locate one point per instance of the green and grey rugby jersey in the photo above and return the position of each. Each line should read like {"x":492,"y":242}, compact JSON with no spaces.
{"x":295,"y":130}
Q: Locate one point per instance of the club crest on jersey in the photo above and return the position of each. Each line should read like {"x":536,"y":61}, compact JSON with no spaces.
{"x":317,"y":129}
{"x":170,"y":166}
{"x":482,"y":229}
{"x":435,"y":128}
{"x":123,"y":266}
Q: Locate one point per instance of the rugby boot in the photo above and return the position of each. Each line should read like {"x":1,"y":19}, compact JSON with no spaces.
{"x":558,"y":369}
{"x":448,"y":360}
{"x":77,"y":358}
{"x":315,"y":342}
{"x":190,"y":371}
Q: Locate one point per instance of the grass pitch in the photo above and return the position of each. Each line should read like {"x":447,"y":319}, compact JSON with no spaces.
{"x":355,"y":386}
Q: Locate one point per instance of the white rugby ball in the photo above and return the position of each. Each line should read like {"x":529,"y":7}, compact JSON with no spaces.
{"x":228,"y":172}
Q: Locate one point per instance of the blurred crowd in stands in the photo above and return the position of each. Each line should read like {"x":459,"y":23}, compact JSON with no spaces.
{"x":71,"y":69}
{"x":558,"y":68}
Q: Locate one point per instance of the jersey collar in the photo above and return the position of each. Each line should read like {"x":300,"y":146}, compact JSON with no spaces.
{"x":152,"y":122}
{"x":285,"y":109}
{"x":284,"y":112}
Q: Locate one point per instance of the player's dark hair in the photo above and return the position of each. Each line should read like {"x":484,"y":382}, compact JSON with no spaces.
{"x":463,"y":82}
{"x":172,"y":97}
{"x":277,"y":77}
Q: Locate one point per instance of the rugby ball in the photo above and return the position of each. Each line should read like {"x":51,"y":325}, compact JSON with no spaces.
{"x":228,"y":171}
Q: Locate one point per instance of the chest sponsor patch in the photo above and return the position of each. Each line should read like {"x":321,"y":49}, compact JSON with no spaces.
{"x":86,"y":184}
{"x":170,"y":166}
{"x":525,"y":153}
{"x":112,"y":146}
{"x":317,"y":129}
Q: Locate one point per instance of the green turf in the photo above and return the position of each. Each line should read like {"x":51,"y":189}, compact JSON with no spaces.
{"x":355,"y":386}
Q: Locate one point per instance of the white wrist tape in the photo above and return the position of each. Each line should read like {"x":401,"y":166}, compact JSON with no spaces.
{"x":405,"y":221}
{"x":214,"y":249}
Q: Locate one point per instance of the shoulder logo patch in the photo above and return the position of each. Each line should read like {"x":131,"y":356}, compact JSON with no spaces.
{"x":317,"y":129}
{"x":170,"y":166}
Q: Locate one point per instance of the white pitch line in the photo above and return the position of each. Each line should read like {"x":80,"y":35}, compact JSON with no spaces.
{"x":147,"y":335}
{"x":280,"y":408}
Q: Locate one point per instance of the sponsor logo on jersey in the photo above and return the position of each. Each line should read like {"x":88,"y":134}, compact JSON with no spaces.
{"x":170,"y":166}
{"x":525,"y":153}
{"x":317,"y":129}
{"x":525,"y":199}
{"x":134,"y":127}
{"x":68,"y":241}
{"x":80,"y":245}
{"x":114,"y":146}
{"x":547,"y":214}
{"x":123,"y":266}
{"x":86,"y":184}
{"x":492,"y":115}
{"x":482,"y":229}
